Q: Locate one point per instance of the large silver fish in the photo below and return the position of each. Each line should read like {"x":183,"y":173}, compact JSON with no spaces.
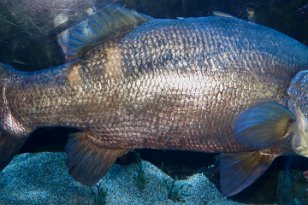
{"x":214,"y":84}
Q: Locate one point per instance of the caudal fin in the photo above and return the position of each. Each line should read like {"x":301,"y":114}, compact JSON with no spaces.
{"x":9,"y":146}
{"x":10,"y":142}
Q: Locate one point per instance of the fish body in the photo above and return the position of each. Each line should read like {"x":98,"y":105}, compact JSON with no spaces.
{"x":168,"y":84}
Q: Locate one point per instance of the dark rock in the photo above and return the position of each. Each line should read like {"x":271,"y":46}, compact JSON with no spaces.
{"x":292,"y":188}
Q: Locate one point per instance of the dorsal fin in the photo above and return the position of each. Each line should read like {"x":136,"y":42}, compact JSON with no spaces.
{"x":221,"y":13}
{"x":99,"y":26}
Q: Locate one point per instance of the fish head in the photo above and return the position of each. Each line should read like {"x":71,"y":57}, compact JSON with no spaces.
{"x":298,"y":104}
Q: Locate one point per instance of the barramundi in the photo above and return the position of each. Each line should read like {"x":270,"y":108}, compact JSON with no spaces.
{"x":214,"y":84}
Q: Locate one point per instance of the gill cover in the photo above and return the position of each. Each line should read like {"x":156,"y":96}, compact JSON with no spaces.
{"x":298,"y":103}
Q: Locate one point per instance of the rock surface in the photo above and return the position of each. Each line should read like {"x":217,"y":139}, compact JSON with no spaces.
{"x":33,"y":179}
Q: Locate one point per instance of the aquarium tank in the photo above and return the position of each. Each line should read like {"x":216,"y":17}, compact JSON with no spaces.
{"x":188,"y":102}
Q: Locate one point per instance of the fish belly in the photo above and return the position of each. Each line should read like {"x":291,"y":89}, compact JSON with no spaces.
{"x":186,"y":110}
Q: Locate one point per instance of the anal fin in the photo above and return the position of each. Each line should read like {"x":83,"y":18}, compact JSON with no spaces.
{"x":88,"y":162}
{"x":239,"y":170}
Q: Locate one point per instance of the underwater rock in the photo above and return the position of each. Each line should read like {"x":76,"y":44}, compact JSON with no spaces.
{"x":40,"y":179}
{"x":43,"y":178}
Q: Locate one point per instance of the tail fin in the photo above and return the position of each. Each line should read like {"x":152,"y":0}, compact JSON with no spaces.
{"x":9,"y":146}
{"x":10,"y":141}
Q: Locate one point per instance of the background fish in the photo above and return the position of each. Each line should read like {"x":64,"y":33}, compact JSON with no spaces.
{"x":35,"y":23}
{"x":212,"y":84}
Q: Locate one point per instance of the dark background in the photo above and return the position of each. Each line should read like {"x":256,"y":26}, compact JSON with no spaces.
{"x":28,"y":42}
{"x":28,"y":35}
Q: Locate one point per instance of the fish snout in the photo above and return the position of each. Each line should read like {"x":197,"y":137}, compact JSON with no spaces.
{"x":298,"y":97}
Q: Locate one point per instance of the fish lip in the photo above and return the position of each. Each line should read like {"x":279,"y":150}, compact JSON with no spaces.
{"x":300,"y":137}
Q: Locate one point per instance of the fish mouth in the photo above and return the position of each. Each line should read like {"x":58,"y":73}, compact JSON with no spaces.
{"x":300,"y":137}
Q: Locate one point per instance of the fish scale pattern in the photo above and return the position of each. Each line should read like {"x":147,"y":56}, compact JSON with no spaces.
{"x":175,"y":84}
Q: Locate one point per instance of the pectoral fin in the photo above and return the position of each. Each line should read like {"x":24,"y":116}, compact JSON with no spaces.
{"x":263,"y":125}
{"x":88,"y":162}
{"x":240,"y":170}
